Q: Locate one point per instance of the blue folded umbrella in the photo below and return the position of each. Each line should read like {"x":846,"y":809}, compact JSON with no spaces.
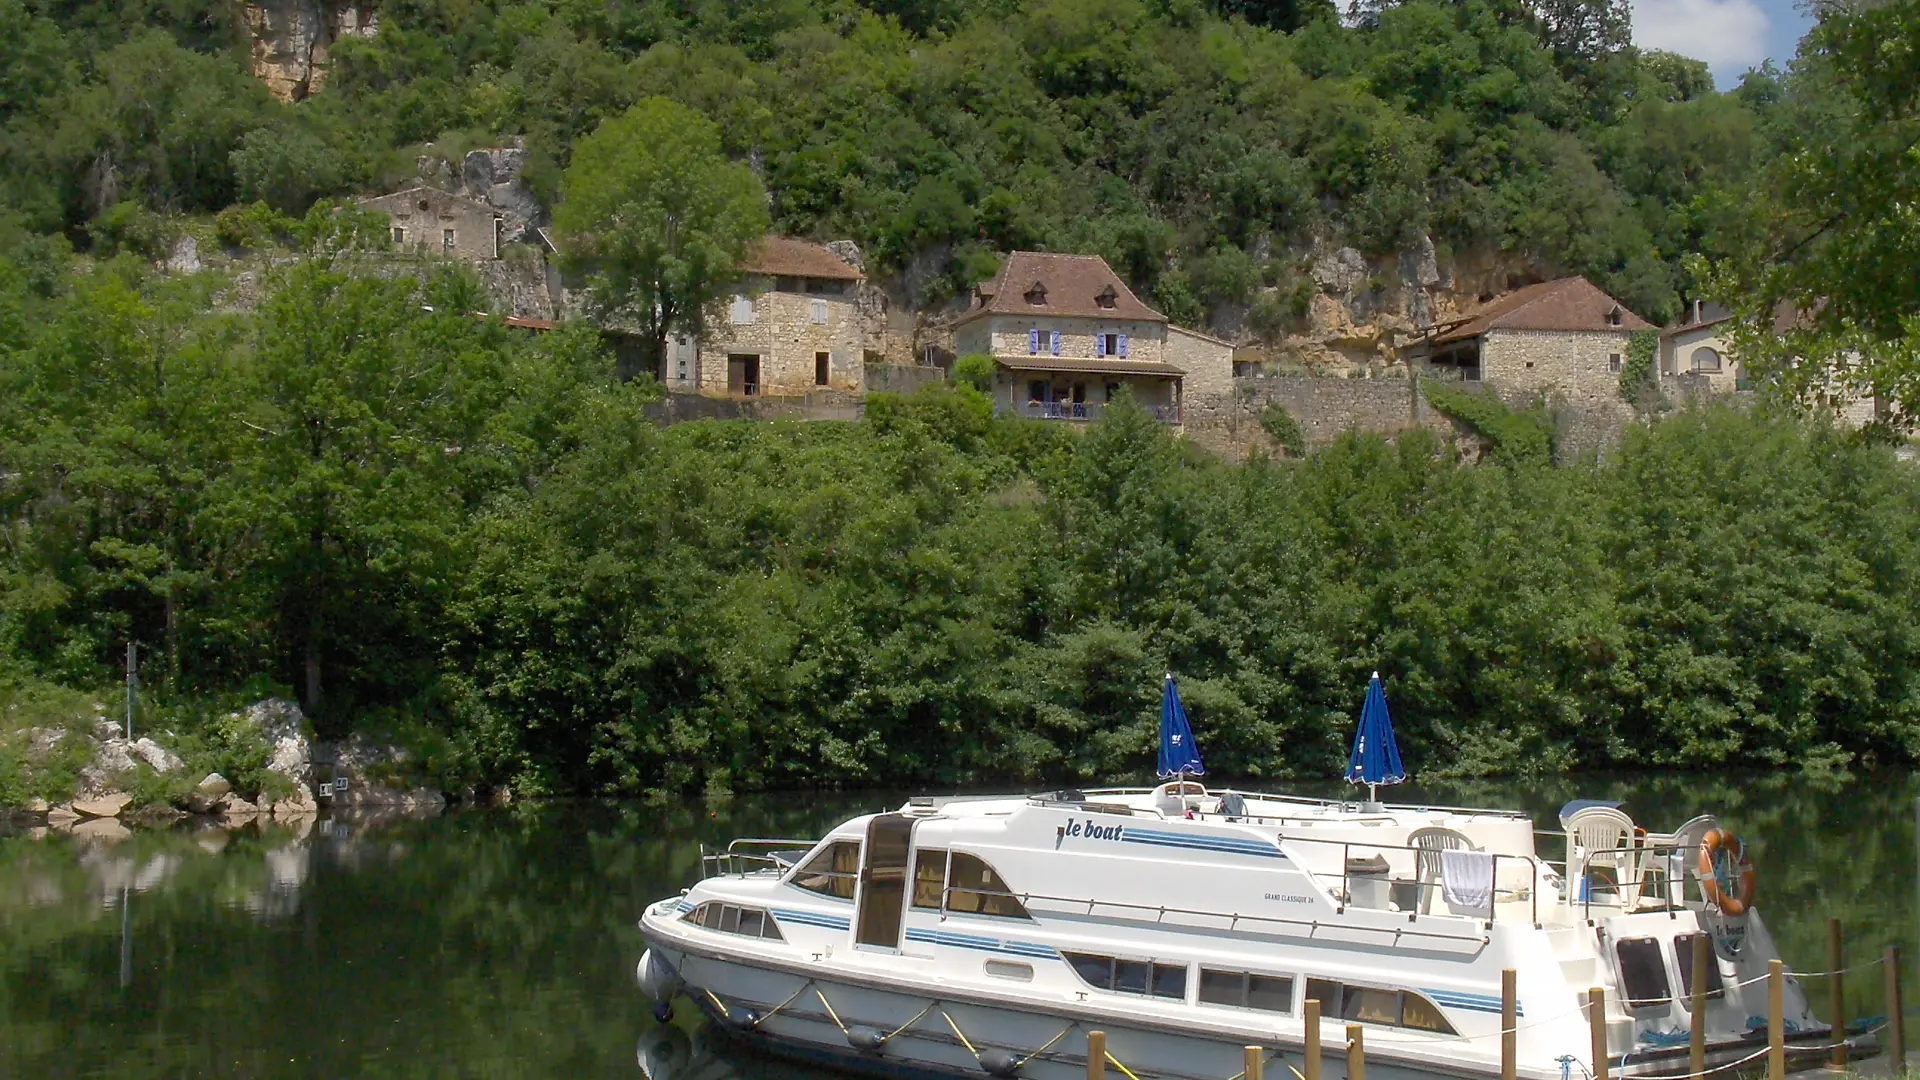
{"x":1376,"y":757}
{"x":1179,"y":754}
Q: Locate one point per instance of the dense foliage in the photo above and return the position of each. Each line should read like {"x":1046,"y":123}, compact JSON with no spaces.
{"x":405,"y":513}
{"x":1200,"y":146}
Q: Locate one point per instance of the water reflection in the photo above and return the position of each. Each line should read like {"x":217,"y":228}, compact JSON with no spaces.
{"x":502,"y":943}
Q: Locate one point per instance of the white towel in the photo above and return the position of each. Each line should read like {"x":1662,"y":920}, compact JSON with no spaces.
{"x":1466,"y":882}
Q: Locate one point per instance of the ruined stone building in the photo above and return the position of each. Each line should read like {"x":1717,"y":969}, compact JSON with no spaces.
{"x":800,"y":322}
{"x":1066,"y":336}
{"x":427,"y":221}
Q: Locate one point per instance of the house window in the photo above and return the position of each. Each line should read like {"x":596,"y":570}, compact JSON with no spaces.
{"x":743,"y":311}
{"x":819,"y":312}
{"x":399,"y":236}
{"x":1106,"y":297}
{"x":1037,"y":295}
{"x":832,"y":872}
{"x":680,"y":369}
{"x":1109,"y":344}
{"x":1037,"y":390}
{"x":790,"y":284}
{"x":1613,"y":363}
{"x":1706,"y":359}
{"x":1613,"y":317}
{"x":1113,"y":391}
{"x":820,"y":363}
{"x":446,"y":241}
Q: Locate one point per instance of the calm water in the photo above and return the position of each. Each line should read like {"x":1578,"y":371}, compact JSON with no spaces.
{"x":502,"y":943}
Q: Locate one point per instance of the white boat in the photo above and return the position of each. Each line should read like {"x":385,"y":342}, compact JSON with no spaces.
{"x":988,"y":936}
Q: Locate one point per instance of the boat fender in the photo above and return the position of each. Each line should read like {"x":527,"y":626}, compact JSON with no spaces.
{"x":1726,"y":877}
{"x":999,"y":1063}
{"x":663,"y":1012}
{"x":657,"y":978}
{"x":741,"y":1017}
{"x":865,"y":1038}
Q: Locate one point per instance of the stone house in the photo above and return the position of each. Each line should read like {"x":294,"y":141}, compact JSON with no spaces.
{"x":1563,"y":339}
{"x":1066,"y":335}
{"x":798,"y":324}
{"x":428,"y":221}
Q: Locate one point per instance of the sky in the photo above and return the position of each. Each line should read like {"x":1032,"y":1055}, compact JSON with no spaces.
{"x":1730,"y":35}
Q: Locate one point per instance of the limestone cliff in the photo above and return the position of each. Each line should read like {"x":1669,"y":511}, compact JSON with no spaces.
{"x":291,"y":39}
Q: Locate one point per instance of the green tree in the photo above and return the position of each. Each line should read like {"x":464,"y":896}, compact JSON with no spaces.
{"x":656,"y":218}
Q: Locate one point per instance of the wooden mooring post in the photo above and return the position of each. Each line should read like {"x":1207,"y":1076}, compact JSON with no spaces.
{"x":1776,"y":1020}
{"x":1597,"y":1024}
{"x":1697,"y":1045}
{"x":1356,"y":1052}
{"x":1509,"y":1027}
{"x":1312,"y":1048}
{"x":1256,"y":1062}
{"x":1896,"y":1018}
{"x":1096,"y":1055}
{"x":1836,"y":963}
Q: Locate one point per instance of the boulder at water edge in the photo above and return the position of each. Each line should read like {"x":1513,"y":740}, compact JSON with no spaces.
{"x":157,"y":757}
{"x":104,"y":806}
{"x":62,"y":816}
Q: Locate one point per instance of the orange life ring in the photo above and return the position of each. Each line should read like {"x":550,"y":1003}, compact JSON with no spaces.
{"x":1726,"y":877}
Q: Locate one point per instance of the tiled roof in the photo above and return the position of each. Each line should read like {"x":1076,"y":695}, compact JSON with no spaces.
{"x":783,"y":256}
{"x":1572,"y":303}
{"x":1087,"y":366}
{"x":1073,"y":285}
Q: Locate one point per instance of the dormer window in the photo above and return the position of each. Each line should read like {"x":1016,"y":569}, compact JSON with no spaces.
{"x":1613,"y":316}
{"x":1106,"y":297}
{"x":1037,"y":294}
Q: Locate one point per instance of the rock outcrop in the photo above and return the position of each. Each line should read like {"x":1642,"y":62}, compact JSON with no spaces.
{"x":291,"y":38}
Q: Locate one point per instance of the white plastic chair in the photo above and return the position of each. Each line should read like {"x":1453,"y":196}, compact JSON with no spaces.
{"x":1428,"y":844}
{"x":1175,"y":797}
{"x":1602,"y":836}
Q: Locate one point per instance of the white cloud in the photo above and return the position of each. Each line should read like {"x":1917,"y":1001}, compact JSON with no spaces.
{"x":1730,"y":35}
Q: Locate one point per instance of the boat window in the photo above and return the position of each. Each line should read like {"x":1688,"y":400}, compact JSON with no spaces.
{"x":1328,"y":993}
{"x":1683,"y":952}
{"x":1130,"y":976}
{"x":929,"y":876}
{"x":1378,"y":1005}
{"x":1008,"y":969}
{"x":833,"y":871}
{"x":734,"y":919}
{"x":975,"y":888}
{"x":1245,"y":990}
{"x":1643,"y":973}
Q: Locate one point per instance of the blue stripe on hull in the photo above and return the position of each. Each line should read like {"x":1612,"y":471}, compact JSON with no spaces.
{"x":1456,"y":999}
{"x":983,"y":944}
{"x":1222,"y":845}
{"x":811,"y":918}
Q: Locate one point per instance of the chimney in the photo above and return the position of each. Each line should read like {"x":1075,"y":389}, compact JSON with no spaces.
{"x":1696,"y":311}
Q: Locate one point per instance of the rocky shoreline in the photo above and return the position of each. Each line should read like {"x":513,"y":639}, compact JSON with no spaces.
{"x":360,"y":775}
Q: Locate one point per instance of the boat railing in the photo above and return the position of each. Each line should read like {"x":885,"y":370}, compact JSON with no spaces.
{"x":751,"y":855}
{"x":1643,"y":863}
{"x":1350,"y":805}
{"x":1346,"y":875}
{"x":1234,"y":918}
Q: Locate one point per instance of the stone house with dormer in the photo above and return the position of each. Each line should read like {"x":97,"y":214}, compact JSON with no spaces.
{"x":1066,"y":336}
{"x":1564,"y":339}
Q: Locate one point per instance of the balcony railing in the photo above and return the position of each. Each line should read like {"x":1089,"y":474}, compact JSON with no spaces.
{"x":1088,"y":410}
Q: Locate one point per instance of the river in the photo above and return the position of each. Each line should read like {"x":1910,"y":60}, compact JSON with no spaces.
{"x":501,"y":943}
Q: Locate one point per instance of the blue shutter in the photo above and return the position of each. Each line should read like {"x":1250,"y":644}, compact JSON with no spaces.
{"x":1099,"y":344}
{"x":1033,"y":342}
{"x":1123,"y":345}
{"x":1056,"y":343}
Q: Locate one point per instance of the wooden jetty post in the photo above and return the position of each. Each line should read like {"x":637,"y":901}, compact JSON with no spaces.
{"x":1509,"y":1029}
{"x":1697,"y":1046}
{"x":1356,"y":1052}
{"x":1597,"y":1023}
{"x":1096,"y":1055}
{"x":1256,"y":1063}
{"x":1896,"y":1018}
{"x":1837,"y":963}
{"x":1312,"y":1048}
{"x":1776,"y":1020}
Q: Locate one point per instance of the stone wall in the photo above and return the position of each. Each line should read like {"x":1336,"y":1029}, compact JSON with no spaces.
{"x":680,"y":408}
{"x":1004,"y":335}
{"x":1325,"y":408}
{"x":901,"y":378}
{"x":429,"y":221}
{"x":1525,"y":366}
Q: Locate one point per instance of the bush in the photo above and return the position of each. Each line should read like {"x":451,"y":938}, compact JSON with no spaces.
{"x":128,"y":228}
{"x":1283,"y":429}
{"x":1513,"y":438}
{"x":252,"y":227}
